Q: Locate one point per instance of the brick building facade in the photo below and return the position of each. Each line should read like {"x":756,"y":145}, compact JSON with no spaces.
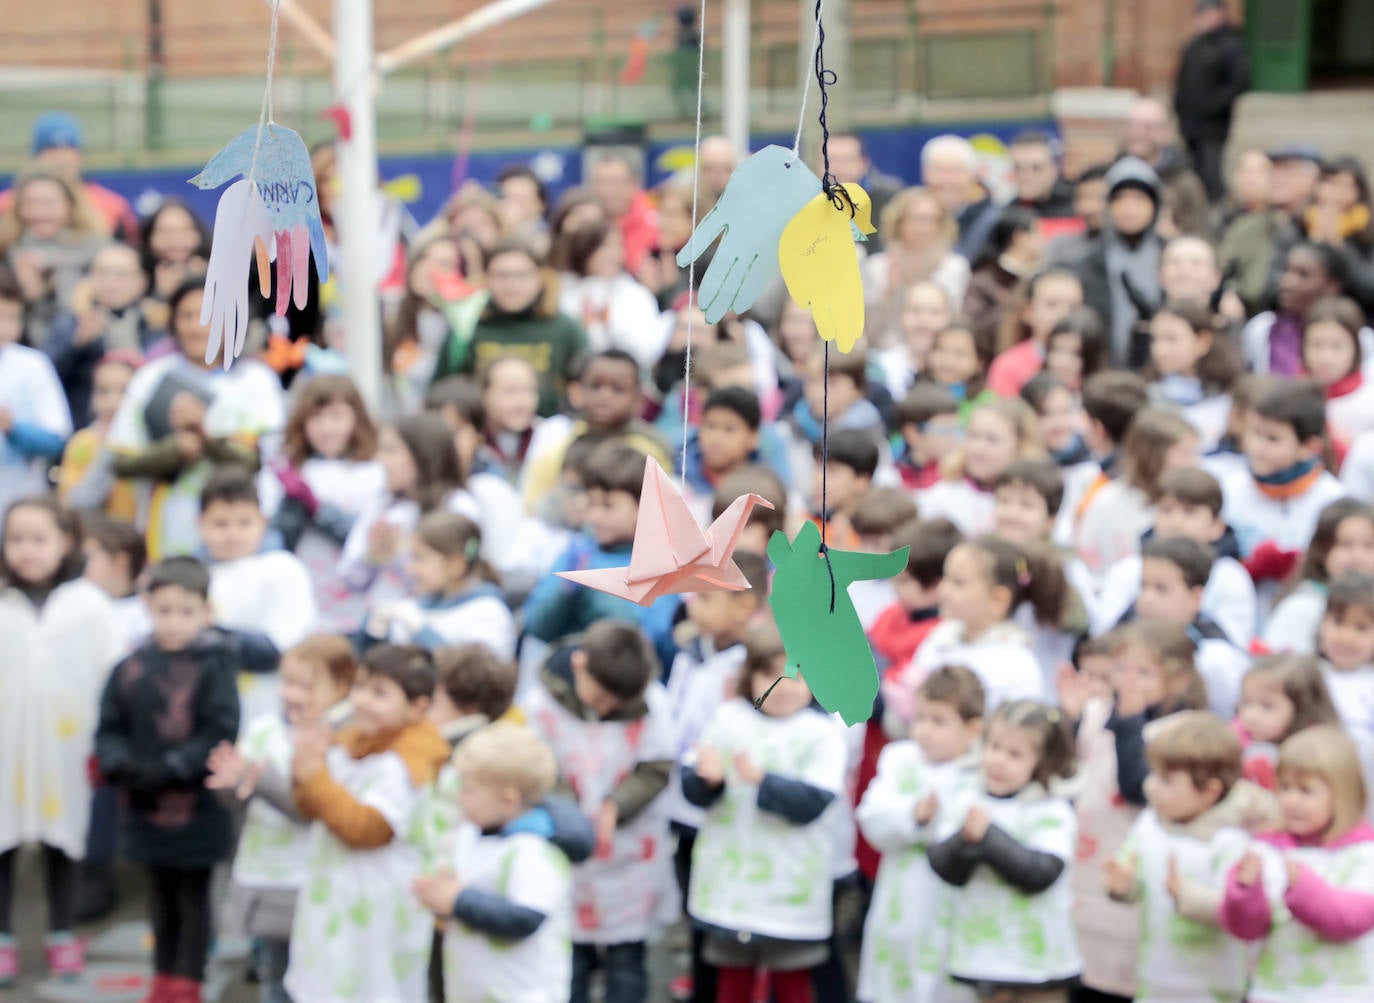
{"x":226,"y":37}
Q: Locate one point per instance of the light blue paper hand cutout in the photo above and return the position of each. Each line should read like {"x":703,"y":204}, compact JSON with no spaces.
{"x":286,"y":184}
{"x":243,"y":233}
{"x":763,"y":195}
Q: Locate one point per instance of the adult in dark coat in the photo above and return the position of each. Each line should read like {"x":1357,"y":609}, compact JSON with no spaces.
{"x":1213,"y":72}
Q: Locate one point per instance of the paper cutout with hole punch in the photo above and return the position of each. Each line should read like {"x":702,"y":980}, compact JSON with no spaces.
{"x":274,"y":159}
{"x":820,"y":263}
{"x":820,"y":628}
{"x":764,"y":193}
{"x":671,"y":553}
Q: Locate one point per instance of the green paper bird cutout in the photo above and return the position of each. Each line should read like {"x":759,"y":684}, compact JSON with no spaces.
{"x":819,"y":626}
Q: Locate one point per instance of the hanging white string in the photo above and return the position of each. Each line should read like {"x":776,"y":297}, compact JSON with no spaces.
{"x":806,"y":87}
{"x":265,"y":116}
{"x":692,"y":265}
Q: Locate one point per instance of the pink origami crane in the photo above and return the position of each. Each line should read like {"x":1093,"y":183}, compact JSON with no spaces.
{"x":671,"y":553}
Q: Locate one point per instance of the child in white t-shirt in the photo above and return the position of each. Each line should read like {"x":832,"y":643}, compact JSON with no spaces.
{"x":1342,"y":544}
{"x":319,"y":483}
{"x":359,"y":934}
{"x":1177,"y":854}
{"x":1008,"y":859}
{"x":768,"y":768}
{"x":602,"y":711}
{"x":1274,"y":504}
{"x":506,"y":893}
{"x":1345,"y":642}
{"x":268,"y":591}
{"x":1152,"y":676}
{"x":1189,"y":505}
{"x":1304,"y":892}
{"x":270,"y":865}
{"x":1192,"y":366}
{"x":903,"y":954}
{"x":986,"y":580}
{"x":455,"y":600}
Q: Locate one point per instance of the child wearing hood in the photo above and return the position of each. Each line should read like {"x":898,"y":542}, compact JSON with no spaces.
{"x":1122,"y":268}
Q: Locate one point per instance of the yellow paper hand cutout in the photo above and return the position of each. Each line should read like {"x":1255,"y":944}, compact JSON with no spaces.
{"x":820,"y":264}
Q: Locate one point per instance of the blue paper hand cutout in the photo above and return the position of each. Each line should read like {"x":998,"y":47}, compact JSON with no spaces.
{"x":285,"y":178}
{"x":285,"y":181}
{"x":819,"y":626}
{"x":763,"y":195}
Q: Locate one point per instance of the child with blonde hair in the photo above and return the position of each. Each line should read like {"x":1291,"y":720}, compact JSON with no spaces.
{"x":316,"y":676}
{"x":507,"y":889}
{"x":1306,"y":892}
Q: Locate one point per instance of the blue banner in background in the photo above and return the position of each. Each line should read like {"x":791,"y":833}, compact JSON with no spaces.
{"x":893,"y":151}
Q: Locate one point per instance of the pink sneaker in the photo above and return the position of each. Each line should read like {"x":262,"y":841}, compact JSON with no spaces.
{"x":681,"y":989}
{"x":66,"y":957}
{"x":9,"y":963}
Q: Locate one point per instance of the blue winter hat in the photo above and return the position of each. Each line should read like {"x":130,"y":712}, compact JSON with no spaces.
{"x":54,"y":129}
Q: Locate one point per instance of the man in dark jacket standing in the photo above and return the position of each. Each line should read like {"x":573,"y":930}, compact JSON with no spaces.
{"x":1213,"y":73}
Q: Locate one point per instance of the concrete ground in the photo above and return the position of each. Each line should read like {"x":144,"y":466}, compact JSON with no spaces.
{"x":121,"y":977}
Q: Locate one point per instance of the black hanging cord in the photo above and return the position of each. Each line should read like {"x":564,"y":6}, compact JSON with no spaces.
{"x":839,"y":198}
{"x":825,"y":462}
{"x":834,"y":191}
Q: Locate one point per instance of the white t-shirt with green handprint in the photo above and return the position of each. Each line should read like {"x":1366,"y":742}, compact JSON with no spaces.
{"x":753,"y":871}
{"x":905,"y":936}
{"x":529,"y":871}
{"x":437,"y":819}
{"x":999,"y":933}
{"x":360,"y":936}
{"x":1180,"y":959}
{"x":628,"y":893}
{"x":273,"y":849}
{"x":1295,"y":964}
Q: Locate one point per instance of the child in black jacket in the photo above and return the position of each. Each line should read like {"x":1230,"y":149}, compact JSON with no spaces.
{"x":164,"y":708}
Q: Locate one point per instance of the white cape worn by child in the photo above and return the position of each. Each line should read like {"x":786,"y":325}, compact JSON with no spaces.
{"x":53,"y":667}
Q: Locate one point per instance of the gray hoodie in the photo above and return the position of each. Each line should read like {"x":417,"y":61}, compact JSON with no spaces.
{"x":1137,"y":258}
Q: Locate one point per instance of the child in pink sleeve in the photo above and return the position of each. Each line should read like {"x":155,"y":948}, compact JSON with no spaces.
{"x":1308,"y":892}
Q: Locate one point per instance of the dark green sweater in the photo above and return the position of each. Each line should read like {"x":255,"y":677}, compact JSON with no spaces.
{"x":554,"y":345}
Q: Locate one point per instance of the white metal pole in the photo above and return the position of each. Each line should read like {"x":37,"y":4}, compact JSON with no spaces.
{"x":448,"y":35}
{"x":356,"y":216}
{"x":735,"y":74}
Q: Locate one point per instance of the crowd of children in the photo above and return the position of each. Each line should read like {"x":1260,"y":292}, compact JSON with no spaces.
{"x":252,"y":625}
